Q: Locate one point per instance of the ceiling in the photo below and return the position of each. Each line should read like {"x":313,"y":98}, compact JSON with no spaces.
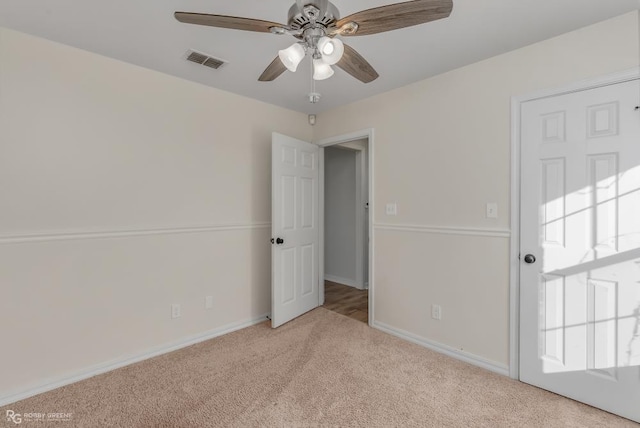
{"x":145,"y":33}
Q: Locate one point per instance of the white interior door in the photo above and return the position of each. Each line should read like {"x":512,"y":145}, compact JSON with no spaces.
{"x":580,"y":219}
{"x":294,"y":254}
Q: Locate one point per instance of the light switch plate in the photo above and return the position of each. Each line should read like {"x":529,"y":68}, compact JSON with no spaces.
{"x":392,"y":208}
{"x":492,"y":210}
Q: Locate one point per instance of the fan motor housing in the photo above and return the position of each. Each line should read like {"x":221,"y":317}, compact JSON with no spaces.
{"x":304,"y":13}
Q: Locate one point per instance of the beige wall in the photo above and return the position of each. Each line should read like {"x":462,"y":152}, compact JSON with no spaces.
{"x":92,"y":145}
{"x":442,"y":151}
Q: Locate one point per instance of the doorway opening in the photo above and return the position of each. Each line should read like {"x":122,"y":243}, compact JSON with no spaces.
{"x":346,"y":300}
{"x":345,"y":235}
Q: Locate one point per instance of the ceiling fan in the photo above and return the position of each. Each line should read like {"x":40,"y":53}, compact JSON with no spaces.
{"x":316,"y":23}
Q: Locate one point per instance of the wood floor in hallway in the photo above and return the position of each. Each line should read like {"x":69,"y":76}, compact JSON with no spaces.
{"x":346,"y":300}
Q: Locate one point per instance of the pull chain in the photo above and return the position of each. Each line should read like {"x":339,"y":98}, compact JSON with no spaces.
{"x":314,"y":96}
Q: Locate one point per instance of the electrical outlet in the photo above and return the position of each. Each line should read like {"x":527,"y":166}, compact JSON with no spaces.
{"x":208,"y":302}
{"x":392,"y":209}
{"x":436,"y":312}
{"x":175,"y":311}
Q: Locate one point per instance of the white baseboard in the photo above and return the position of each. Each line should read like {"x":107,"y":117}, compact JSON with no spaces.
{"x":340,"y":280}
{"x":53,"y":383}
{"x":444,"y":349}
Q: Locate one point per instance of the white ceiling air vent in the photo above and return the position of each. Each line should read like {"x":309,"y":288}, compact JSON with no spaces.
{"x":204,"y":59}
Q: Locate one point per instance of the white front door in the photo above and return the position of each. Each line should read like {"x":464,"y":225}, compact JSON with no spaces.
{"x":580,"y":220}
{"x":294,"y":228}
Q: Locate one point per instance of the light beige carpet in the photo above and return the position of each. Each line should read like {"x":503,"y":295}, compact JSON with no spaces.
{"x":320,"y":370}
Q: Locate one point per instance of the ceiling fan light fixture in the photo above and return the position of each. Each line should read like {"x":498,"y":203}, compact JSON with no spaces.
{"x":317,"y":25}
{"x":292,"y":56}
{"x":330,"y":49}
{"x":321,"y":70}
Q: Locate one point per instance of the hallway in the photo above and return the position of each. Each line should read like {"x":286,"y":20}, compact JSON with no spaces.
{"x":347,"y":301}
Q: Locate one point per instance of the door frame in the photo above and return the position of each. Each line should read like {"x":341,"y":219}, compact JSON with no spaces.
{"x":514,"y":244}
{"x":367,"y":134}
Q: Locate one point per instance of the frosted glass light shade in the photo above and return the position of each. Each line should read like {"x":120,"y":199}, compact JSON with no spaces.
{"x":321,"y":70}
{"x":330,"y":49}
{"x":292,"y":56}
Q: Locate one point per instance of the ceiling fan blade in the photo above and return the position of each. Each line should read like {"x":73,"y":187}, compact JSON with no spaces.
{"x":394,"y":16}
{"x":273,"y":71}
{"x":354,"y":64}
{"x":223,"y":21}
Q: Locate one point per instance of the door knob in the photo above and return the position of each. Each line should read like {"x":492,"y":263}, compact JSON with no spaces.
{"x":279,"y":241}
{"x":530,"y":259}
